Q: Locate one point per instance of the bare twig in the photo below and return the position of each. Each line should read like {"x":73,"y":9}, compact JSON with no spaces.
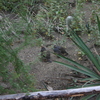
{"x":95,"y":50}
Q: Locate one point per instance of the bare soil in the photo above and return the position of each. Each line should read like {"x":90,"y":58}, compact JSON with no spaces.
{"x":57,"y":76}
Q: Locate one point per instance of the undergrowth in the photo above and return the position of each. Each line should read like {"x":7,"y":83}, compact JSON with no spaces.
{"x":36,"y":19}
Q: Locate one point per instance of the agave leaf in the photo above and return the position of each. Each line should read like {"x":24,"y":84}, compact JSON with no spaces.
{"x":78,"y":41}
{"x":98,"y":57}
{"x":88,"y":79}
{"x":79,"y":66}
{"x":87,"y":97}
{"x":78,"y":70}
{"x":80,"y":86}
{"x":98,"y":97}
{"x":89,"y":85}
{"x":98,"y":22}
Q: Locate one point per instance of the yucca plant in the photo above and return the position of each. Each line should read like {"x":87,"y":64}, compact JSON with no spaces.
{"x":94,"y":75}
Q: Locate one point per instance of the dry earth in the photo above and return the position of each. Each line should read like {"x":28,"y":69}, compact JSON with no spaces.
{"x":57,"y":76}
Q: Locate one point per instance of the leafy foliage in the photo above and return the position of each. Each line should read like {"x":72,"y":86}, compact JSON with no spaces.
{"x":17,"y":76}
{"x":14,"y":73}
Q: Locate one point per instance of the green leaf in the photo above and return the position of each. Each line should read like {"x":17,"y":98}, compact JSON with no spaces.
{"x":98,"y":57}
{"x":98,"y":22}
{"x":98,"y":97}
{"x":78,"y":41}
{"x":88,"y":79}
{"x":78,"y":70}
{"x":79,"y":66}
{"x":87,"y":97}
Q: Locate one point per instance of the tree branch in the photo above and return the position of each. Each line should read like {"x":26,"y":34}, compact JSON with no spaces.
{"x":42,"y":95}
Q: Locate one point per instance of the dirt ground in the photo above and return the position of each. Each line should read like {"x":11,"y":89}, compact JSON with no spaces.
{"x":57,"y":76}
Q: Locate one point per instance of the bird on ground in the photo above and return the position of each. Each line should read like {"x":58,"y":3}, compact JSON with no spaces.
{"x":45,"y":54}
{"x":43,"y":49}
{"x":60,"y":50}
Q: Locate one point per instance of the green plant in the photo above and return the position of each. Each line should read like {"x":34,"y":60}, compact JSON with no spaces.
{"x":18,"y":6}
{"x":12,"y":69}
{"x":49,"y":17}
{"x":93,"y":75}
{"x":17,"y":75}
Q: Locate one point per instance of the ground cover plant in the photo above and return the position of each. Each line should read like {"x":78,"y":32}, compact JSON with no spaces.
{"x":28,"y":25}
{"x":13,"y":76}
